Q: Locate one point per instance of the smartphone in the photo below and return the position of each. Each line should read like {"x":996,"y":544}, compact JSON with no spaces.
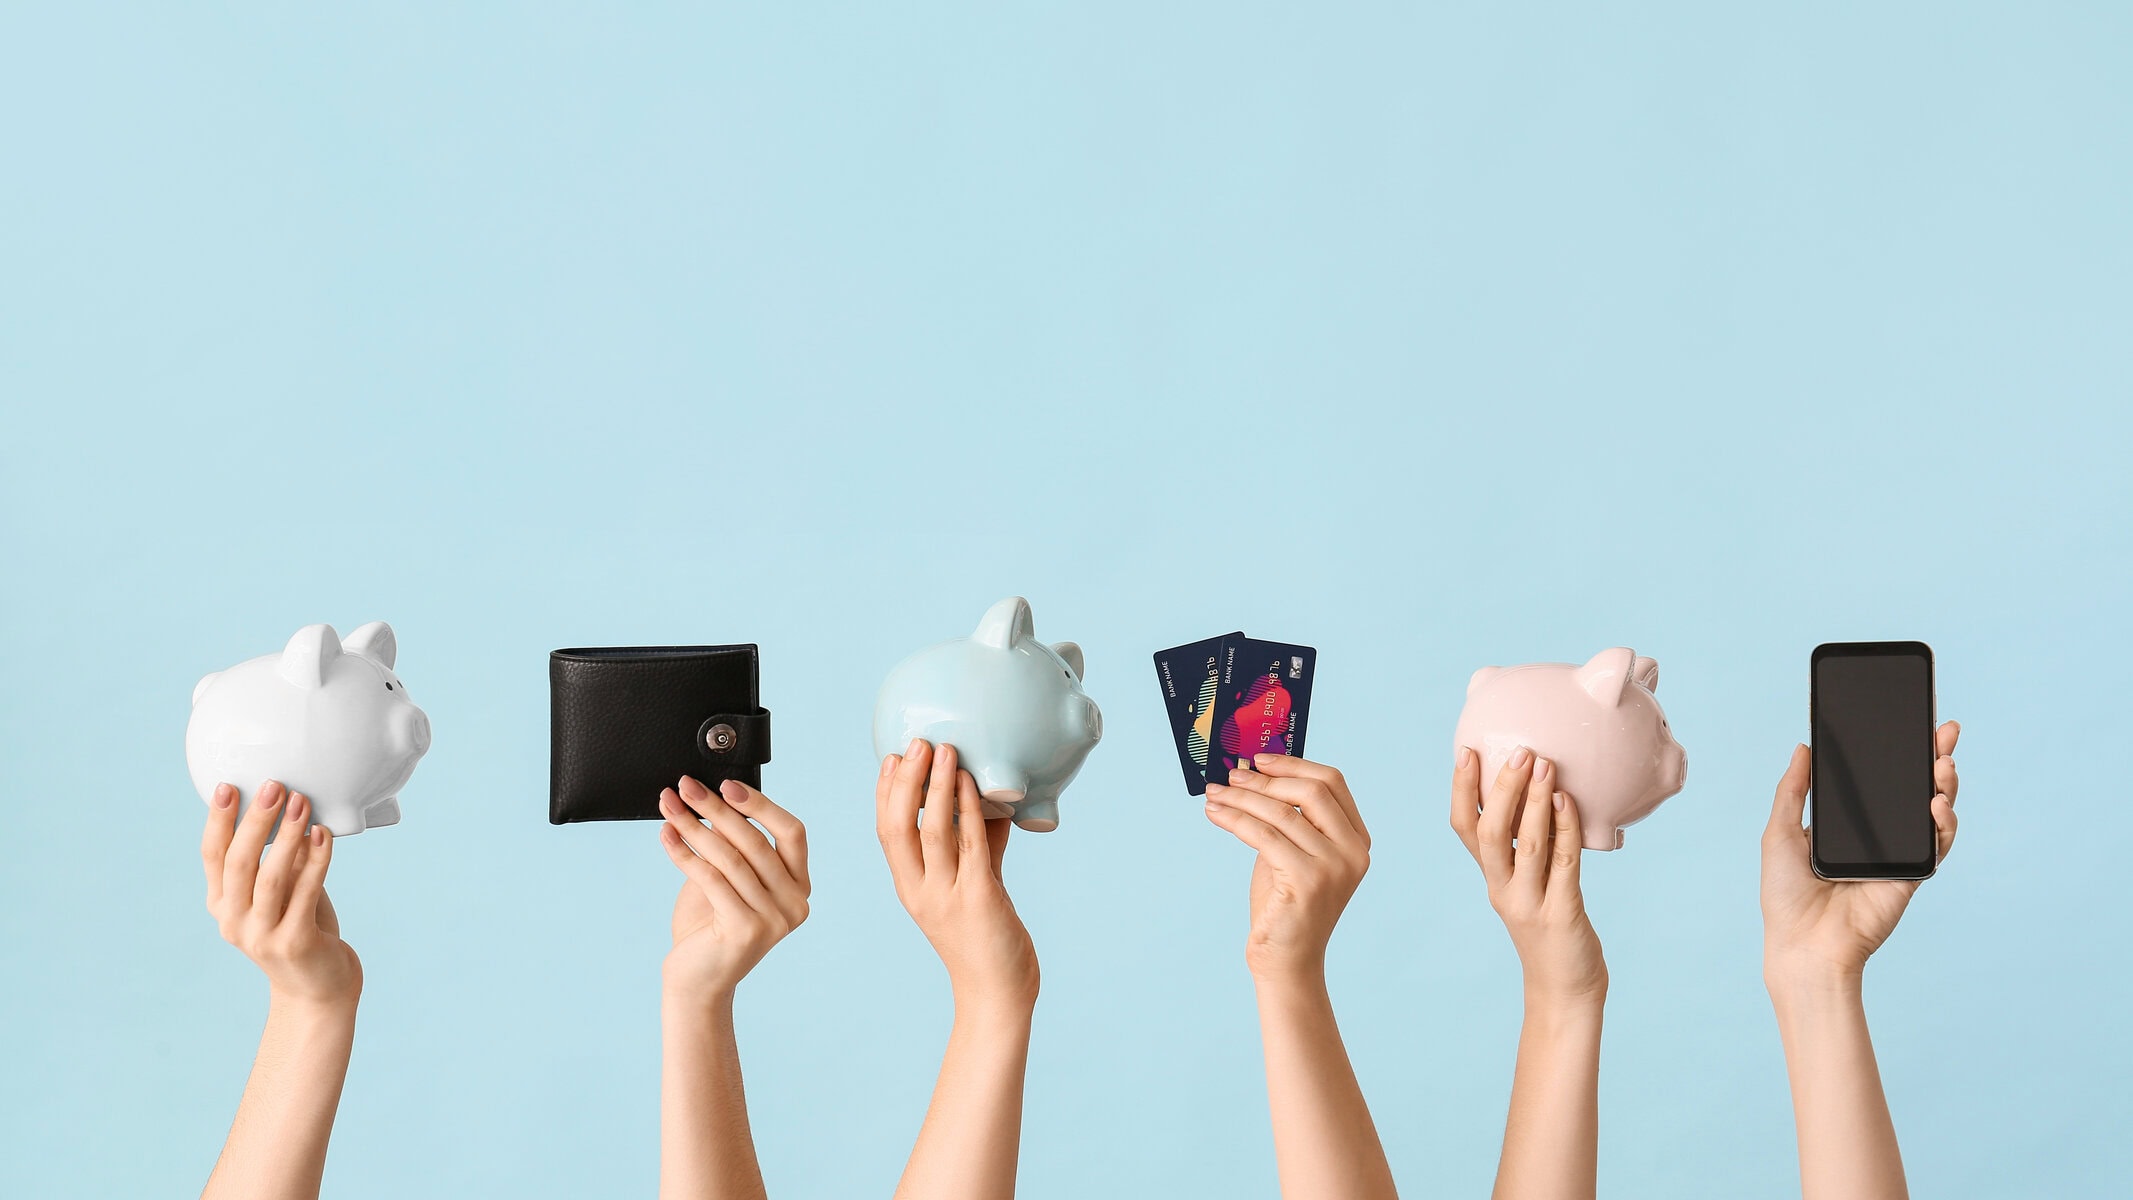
{"x":1871,"y":713}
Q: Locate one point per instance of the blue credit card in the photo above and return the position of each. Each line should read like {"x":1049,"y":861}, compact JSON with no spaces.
{"x":1188,"y":677}
{"x":1262,"y":702}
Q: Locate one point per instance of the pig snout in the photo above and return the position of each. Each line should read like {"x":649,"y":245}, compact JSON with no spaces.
{"x":414,"y":730}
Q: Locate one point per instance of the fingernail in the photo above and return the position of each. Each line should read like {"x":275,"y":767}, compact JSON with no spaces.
{"x":225,"y":795}
{"x":1215,"y":805}
{"x":318,"y":835}
{"x":1521,"y":756}
{"x":917,"y":744}
{"x":271,"y":794}
{"x":1213,"y":786}
{"x":887,"y":761}
{"x":1465,"y":757}
{"x":732,"y":792}
{"x":1541,"y":768}
{"x":1559,"y":801}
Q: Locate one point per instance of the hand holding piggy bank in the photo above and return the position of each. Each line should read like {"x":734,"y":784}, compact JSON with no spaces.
{"x":324,"y":717}
{"x":1011,"y":706}
{"x":1599,"y":723}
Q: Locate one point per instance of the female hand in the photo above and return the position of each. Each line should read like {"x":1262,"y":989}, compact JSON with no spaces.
{"x":744,"y":892}
{"x":946,"y":866}
{"x":1528,"y":840}
{"x":275,"y":909}
{"x":1811,"y":924}
{"x":1313,"y":853}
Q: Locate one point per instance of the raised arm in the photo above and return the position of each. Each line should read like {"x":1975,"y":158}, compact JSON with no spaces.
{"x":275,"y":910}
{"x":946,"y":865}
{"x":1527,"y":838}
{"x":743,"y":894}
{"x":1817,"y":936}
{"x":1313,"y":851}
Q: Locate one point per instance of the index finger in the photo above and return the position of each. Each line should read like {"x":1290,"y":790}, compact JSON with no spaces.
{"x":215,"y":838}
{"x":241,"y":866}
{"x":1493,"y":835}
{"x":786,"y":831}
{"x":1311,"y":797}
{"x":1279,"y":765}
{"x":896,"y":814}
{"x":996,"y":831}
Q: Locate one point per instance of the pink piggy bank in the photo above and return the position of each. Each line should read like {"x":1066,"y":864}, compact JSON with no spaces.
{"x":1599,"y":724}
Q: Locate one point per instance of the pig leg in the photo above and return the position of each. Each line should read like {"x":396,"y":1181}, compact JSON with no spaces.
{"x":1603,"y":837}
{"x":1038,"y":815}
{"x":383,"y":812}
{"x":1001,"y":791}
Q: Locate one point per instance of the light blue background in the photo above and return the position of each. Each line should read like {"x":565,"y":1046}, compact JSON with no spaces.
{"x":1486,"y":333}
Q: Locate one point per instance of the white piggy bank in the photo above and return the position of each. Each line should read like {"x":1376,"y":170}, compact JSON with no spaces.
{"x":324,"y":717}
{"x":1011,"y":706}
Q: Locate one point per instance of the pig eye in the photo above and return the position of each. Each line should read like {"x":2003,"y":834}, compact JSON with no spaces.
{"x":388,"y":687}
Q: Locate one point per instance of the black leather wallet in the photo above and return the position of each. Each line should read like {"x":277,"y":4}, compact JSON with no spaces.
{"x":626,"y":721}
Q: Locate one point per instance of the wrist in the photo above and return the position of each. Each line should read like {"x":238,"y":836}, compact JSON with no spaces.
{"x":1794,"y":975}
{"x":1289,"y":980}
{"x":994,"y":1002}
{"x":684,"y":992}
{"x":334,"y":1006}
{"x":1570,"y":998}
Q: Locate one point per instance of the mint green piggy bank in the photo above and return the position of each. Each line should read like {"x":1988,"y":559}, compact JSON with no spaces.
{"x":1011,"y":706}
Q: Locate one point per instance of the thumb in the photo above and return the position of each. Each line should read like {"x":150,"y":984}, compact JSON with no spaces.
{"x":1790,"y":804}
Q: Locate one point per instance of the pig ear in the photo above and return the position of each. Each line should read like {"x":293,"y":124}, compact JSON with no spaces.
{"x":308,"y":654}
{"x":1645,"y":671}
{"x":201,"y":687}
{"x":373,"y":641}
{"x":1604,"y":676}
{"x":1474,"y":682}
{"x":1072,"y":654}
{"x":1006,"y":623}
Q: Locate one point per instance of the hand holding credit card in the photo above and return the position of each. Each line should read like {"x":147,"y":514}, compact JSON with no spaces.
{"x":1232,"y":697}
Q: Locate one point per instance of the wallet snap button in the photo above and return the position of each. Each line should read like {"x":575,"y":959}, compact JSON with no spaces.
{"x":720,"y":738}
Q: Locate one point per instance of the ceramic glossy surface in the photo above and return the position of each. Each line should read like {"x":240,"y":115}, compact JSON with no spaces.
{"x":325,"y":717}
{"x":1011,"y":705}
{"x":1600,"y":723}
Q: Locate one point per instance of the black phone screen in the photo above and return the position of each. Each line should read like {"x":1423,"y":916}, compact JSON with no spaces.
{"x":1872,"y":718}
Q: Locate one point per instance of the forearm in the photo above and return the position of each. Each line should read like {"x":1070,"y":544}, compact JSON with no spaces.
{"x":972,"y":1138}
{"x":1847,"y":1140}
{"x":277,"y":1144}
{"x":705,"y":1149}
{"x":1551,"y":1138}
{"x":1324,"y":1142}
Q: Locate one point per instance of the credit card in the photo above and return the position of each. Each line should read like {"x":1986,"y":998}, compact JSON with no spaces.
{"x":1262,"y":702}
{"x":1187,"y":674}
